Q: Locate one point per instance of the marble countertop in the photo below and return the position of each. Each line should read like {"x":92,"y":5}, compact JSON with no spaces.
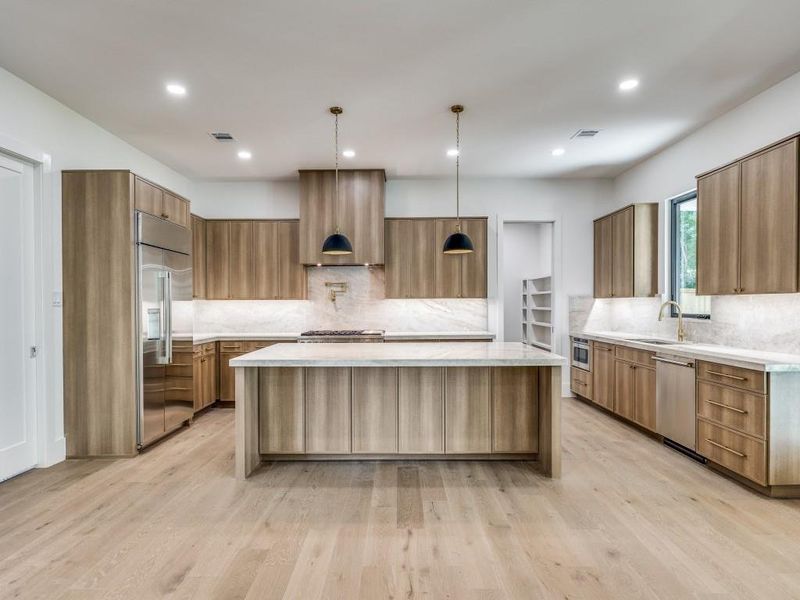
{"x":428,"y":354}
{"x":736,"y":357}
{"x":202,"y":338}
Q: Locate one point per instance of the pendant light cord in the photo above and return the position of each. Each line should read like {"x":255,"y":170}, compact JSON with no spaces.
{"x":336,"y":196}
{"x":458,"y":158}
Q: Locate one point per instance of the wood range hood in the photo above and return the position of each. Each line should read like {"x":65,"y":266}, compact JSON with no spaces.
{"x":360,"y":213}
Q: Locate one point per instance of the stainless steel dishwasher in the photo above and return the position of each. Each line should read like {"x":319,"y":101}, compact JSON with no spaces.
{"x":676,"y":413}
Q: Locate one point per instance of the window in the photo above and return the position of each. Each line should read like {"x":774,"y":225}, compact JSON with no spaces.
{"x":684,"y":259}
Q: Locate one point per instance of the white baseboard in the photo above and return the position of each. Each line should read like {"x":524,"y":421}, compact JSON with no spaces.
{"x":55,"y":452}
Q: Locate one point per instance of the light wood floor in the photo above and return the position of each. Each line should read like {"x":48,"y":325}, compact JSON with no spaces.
{"x":630,"y":518}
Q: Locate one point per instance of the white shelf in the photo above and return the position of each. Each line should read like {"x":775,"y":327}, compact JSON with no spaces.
{"x":538,"y":331}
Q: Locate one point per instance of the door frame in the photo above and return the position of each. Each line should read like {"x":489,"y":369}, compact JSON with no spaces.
{"x":559,"y":300}
{"x":48,"y":390}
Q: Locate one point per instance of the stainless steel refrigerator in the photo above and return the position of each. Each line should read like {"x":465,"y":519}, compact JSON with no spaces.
{"x":164,"y":298}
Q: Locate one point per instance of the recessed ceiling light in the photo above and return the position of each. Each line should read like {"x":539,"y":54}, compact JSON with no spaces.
{"x":452,"y":152}
{"x":245,"y":154}
{"x":558,"y":152}
{"x":319,"y":264}
{"x":348,"y":153}
{"x":628,"y":84}
{"x":176,"y":89}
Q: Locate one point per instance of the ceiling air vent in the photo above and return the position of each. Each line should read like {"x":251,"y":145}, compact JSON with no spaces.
{"x":222,"y":136}
{"x":585,"y":133}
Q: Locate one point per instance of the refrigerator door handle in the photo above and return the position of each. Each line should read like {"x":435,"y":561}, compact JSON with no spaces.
{"x":163,"y":319}
{"x":168,"y":317}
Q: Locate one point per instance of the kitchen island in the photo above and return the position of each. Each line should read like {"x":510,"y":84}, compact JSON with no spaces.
{"x":449,"y":400}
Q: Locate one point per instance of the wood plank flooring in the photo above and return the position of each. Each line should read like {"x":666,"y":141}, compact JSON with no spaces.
{"x":629,"y":519}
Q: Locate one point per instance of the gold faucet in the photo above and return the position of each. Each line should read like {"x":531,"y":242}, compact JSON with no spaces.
{"x":681,"y":332}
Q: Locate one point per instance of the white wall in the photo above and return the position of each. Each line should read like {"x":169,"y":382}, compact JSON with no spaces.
{"x":245,"y":199}
{"x":527,"y":252}
{"x":39,"y":128}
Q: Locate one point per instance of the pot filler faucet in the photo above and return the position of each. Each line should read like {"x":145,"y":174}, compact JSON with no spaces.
{"x":681,"y":332}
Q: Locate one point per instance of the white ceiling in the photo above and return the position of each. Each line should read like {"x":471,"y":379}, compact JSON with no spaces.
{"x":530,"y":73}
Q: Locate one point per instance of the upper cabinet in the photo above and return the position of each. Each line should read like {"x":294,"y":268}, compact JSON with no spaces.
{"x":416,"y":267}
{"x":626,"y":252}
{"x":253,"y":260}
{"x":747,"y":224}
{"x":198,"y":257}
{"x":360,"y":215}
{"x":159,"y":202}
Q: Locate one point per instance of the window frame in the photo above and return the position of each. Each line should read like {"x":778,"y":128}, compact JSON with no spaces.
{"x":673,"y":254}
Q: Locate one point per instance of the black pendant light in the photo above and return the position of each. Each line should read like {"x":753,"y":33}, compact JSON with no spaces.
{"x":458,"y":242}
{"x":337,"y":243}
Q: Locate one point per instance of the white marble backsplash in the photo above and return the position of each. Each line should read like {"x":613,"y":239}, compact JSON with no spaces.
{"x":769,"y":322}
{"x":363,"y":306}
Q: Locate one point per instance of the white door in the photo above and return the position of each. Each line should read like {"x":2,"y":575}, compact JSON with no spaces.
{"x":17,"y":367}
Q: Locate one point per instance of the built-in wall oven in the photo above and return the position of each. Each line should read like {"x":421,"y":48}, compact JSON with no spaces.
{"x":581,"y":354}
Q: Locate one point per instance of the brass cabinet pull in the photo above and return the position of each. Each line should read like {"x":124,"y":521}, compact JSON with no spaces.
{"x":718,"y":374}
{"x":179,"y":365}
{"x":733,"y":408}
{"x":723,"y":447}
{"x":177,"y":389}
{"x":603,"y":349}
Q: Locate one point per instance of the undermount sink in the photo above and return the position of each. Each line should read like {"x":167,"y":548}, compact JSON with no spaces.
{"x":656,"y":342}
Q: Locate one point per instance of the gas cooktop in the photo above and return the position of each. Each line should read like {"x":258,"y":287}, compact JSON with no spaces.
{"x":342,"y":332}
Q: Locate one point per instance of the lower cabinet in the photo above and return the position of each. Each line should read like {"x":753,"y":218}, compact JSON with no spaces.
{"x":467,"y":417}
{"x":515,"y":410}
{"x":635,"y":393}
{"x":281,"y":414}
{"x":229,"y":350}
{"x":405,"y":410}
{"x":420,"y":410}
{"x":328,"y":410}
{"x":375,"y":410}
{"x":603,"y":375}
{"x":204,"y":364}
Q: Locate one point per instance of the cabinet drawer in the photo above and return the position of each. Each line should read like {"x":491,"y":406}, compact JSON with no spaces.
{"x":581,"y":382}
{"x":739,"y":410}
{"x":602,"y":347}
{"x":231,"y":346}
{"x":640,"y":357}
{"x":745,"y":379}
{"x":256,"y":345}
{"x":740,"y":454}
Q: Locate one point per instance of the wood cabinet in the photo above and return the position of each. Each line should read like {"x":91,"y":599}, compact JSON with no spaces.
{"x":580,"y":382}
{"x":328,"y":419}
{"x":281,"y":411}
{"x":515,"y":410}
{"x":603,"y":375}
{"x":159,"y":202}
{"x":467,"y":414}
{"x":291,"y":272}
{"x":217,"y":260}
{"x":626,"y":253}
{"x":635,"y":393}
{"x":420,"y":410}
{"x":603,"y":252}
{"x":718,"y":232}
{"x":409,"y":251}
{"x":747,"y":224}
{"x":253,"y":260}
{"x":360,"y":215}
{"x":99,"y":286}
{"x":198,"y":257}
{"x":375,"y":410}
{"x":624,"y":389}
{"x":416,"y":267}
{"x":228,"y":350}
{"x":241,"y":282}
{"x":205,"y":375}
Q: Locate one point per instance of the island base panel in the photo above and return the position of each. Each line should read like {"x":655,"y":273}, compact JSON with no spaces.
{"x":358,"y":413}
